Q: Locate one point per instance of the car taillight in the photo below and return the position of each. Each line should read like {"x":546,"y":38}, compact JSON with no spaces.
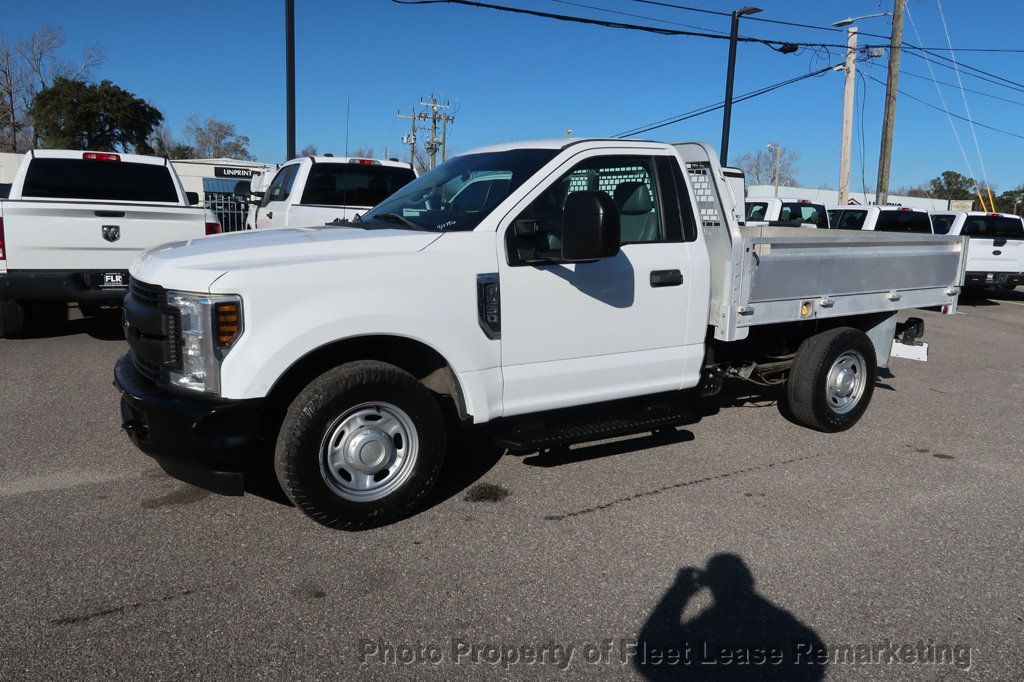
{"x":213,"y":228}
{"x":365,"y":162}
{"x":3,"y":254}
{"x":101,"y":156}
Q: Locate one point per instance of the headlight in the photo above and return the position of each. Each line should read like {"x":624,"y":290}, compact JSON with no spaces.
{"x":210,"y":325}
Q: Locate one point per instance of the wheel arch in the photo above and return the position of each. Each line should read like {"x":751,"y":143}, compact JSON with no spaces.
{"x":416,"y":357}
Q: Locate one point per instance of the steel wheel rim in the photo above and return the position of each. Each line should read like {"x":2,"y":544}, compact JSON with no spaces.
{"x":368,"y":451}
{"x":846,"y":382}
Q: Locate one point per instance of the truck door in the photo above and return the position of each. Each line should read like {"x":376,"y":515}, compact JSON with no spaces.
{"x":576,"y":333}
{"x":273,"y":209}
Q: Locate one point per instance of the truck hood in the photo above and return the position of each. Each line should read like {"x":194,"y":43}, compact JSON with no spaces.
{"x":195,"y":264}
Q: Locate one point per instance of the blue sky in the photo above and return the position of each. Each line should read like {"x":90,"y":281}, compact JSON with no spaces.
{"x":519,"y":77}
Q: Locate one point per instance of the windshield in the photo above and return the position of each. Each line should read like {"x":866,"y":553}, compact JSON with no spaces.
{"x":460,"y":193}
{"x":993,"y":227}
{"x":353,"y":183}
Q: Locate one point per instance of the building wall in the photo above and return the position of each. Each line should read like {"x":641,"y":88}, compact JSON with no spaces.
{"x":9,"y":165}
{"x":830,"y":197}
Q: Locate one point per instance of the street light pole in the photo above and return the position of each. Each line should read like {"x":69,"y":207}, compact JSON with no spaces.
{"x":727,"y":113}
{"x":289,"y":51}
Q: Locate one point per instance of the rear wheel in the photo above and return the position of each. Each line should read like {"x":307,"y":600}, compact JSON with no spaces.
{"x":360,"y":446}
{"x":832,"y":379}
{"x":13,"y":320}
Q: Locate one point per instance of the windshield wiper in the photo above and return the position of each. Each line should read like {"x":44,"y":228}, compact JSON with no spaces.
{"x":400,"y":219}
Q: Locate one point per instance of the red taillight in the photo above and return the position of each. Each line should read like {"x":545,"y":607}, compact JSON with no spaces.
{"x":365,"y":162}
{"x":101,"y":156}
{"x":213,"y":228}
{"x":906,"y":210}
{"x":3,"y":254}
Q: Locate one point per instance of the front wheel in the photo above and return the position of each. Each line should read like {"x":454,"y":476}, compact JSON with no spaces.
{"x":832,"y":379}
{"x":360,"y":446}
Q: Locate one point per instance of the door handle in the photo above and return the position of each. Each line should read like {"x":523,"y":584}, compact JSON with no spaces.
{"x":666,"y":278}
{"x":270,"y":214}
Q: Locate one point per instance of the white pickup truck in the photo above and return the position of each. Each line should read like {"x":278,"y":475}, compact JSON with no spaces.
{"x":607,"y":288}
{"x":315,"y":190}
{"x":76,"y":220}
{"x":995,"y":252}
{"x":797,"y":211}
{"x":880,"y":218}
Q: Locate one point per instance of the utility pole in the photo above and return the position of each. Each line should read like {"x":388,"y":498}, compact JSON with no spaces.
{"x":778,"y":163}
{"x":731,"y":70}
{"x":410,"y":137}
{"x":437,"y":112}
{"x":289,"y":57}
{"x":848,"y":90}
{"x":889,"y":118}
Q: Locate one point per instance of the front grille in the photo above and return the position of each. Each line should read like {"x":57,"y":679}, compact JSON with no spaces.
{"x":148,"y":295}
{"x":152,"y":331}
{"x":148,"y":369}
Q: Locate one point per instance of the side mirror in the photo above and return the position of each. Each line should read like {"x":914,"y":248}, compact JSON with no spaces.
{"x":590,"y":227}
{"x":193,"y":198}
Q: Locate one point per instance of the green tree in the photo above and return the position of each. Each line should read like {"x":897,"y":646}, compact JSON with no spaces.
{"x":1011,"y":201}
{"x":951,"y":185}
{"x":73,"y":114}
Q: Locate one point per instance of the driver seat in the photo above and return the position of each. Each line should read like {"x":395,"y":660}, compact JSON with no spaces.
{"x":638,"y":221}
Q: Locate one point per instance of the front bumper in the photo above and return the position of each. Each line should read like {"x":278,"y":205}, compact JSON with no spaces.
{"x":205,"y":442}
{"x":62,"y":285}
{"x":1006,"y":280}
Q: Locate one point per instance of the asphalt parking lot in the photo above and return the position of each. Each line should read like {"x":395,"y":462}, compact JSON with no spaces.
{"x":879,"y":551}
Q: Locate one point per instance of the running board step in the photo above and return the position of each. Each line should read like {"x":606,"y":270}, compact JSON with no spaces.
{"x":528,"y":438}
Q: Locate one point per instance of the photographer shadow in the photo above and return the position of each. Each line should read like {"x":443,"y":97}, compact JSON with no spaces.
{"x":741,"y":636}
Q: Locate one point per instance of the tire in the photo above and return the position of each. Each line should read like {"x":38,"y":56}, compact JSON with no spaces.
{"x":375,"y":424}
{"x":832,"y":380}
{"x":13,"y":320}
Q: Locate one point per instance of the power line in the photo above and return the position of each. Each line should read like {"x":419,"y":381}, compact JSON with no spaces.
{"x":962,"y":118}
{"x":693,"y":113}
{"x":1000,"y":83}
{"x":754,"y":18}
{"x":974,"y":134}
{"x":770,"y":42}
{"x":953,"y":85}
{"x":636,"y":16}
{"x":942,"y":99}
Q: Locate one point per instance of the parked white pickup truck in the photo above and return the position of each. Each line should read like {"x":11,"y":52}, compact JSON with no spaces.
{"x":771,"y":210}
{"x":995,"y":253}
{"x":880,"y":218}
{"x":315,"y":190}
{"x":606,"y":288}
{"x":76,"y":220}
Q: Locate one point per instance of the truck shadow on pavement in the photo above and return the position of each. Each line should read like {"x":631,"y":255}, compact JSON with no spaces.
{"x":104,"y":327}
{"x":740,"y":636}
{"x":976,"y":298}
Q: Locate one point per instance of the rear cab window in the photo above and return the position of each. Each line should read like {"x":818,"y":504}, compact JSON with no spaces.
{"x":903,"y":221}
{"x":848,"y":219}
{"x":356,"y":184}
{"x":756,"y":210}
{"x":805,"y":213}
{"x":99,"y":181}
{"x":941,"y":224}
{"x":993,"y":227}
